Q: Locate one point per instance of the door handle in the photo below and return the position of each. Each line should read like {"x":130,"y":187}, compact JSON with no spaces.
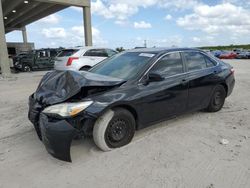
{"x":184,"y":81}
{"x":216,"y":71}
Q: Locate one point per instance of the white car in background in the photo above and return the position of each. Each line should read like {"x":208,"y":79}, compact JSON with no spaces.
{"x":82,"y":58}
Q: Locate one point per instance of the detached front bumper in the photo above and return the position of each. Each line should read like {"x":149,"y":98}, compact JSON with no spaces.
{"x":57,"y":134}
{"x":57,"y":137}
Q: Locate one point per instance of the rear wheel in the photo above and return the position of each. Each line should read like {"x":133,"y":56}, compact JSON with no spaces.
{"x":85,"y":68}
{"x":114,"y":129}
{"x":217,"y":99}
{"x":26,"y":68}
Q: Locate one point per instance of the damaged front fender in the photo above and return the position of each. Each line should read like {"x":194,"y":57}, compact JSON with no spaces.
{"x":57,"y":137}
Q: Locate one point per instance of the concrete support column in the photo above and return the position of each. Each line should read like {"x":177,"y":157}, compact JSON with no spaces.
{"x":87,"y":26}
{"x":24,"y":33}
{"x":4,"y":58}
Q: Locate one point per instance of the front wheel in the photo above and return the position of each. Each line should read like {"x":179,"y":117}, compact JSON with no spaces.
{"x":114,"y":129}
{"x":217,"y":99}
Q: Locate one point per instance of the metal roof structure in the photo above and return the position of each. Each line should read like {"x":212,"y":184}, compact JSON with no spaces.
{"x":16,"y":14}
{"x":19,"y":13}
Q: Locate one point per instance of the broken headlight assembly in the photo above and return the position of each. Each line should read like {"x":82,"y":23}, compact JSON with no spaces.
{"x":67,"y":109}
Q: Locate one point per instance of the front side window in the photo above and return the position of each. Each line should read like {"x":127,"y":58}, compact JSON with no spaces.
{"x":169,"y":65}
{"x":96,"y":53}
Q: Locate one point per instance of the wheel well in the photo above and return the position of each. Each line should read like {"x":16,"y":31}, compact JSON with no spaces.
{"x":85,"y":67}
{"x":131,"y":110}
{"x":225,"y":87}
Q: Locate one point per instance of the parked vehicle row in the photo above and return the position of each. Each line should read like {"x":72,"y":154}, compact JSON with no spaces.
{"x":235,"y":54}
{"x":42,"y":59}
{"x":81,"y":58}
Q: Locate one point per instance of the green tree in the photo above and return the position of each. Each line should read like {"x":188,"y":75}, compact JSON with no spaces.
{"x":120,"y":49}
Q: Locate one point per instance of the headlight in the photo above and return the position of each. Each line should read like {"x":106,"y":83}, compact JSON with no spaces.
{"x":67,"y":109}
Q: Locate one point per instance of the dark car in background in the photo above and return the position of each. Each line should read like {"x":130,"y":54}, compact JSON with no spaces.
{"x":124,"y":93}
{"x":243,"y":55}
{"x":42,"y":59}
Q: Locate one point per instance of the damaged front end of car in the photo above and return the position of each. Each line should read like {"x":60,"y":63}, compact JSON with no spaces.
{"x":58,"y":108}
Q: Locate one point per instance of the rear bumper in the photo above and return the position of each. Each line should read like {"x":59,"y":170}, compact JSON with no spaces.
{"x":57,"y":137}
{"x":230,"y":84}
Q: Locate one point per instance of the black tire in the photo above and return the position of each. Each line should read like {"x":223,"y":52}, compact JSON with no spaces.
{"x":217,"y":100}
{"x":26,"y":68}
{"x":85,"y":68}
{"x":114,"y":129}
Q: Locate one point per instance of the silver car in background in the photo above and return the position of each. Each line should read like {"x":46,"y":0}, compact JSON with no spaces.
{"x":81,"y":58}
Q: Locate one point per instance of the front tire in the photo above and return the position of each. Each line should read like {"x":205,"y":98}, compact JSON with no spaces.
{"x":85,"y":68}
{"x":217,"y":100}
{"x":114,"y":129}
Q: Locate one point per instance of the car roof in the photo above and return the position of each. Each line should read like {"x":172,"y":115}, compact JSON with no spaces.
{"x":162,"y":50}
{"x":85,"y":48}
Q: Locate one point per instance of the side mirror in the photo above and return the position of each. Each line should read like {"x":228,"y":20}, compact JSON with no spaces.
{"x":154,"y":77}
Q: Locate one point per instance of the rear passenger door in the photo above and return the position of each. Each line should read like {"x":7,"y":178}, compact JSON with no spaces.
{"x":202,"y":77}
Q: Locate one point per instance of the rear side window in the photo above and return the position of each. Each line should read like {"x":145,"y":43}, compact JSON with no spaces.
{"x":67,"y":53}
{"x":169,"y":65}
{"x":96,"y":53}
{"x":111,"y":52}
{"x":195,"y":61}
{"x":210,"y":62}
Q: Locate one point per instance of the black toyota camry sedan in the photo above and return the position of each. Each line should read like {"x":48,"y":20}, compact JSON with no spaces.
{"x":125,"y":93}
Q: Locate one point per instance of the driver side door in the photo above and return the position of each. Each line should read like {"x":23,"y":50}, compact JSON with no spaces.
{"x":166,"y":98}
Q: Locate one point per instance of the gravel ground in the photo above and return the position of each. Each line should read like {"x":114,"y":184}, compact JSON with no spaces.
{"x":182,"y":152}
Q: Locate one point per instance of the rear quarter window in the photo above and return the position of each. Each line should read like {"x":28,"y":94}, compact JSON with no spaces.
{"x":96,"y":53}
{"x":67,"y":53}
{"x":197,"y":61}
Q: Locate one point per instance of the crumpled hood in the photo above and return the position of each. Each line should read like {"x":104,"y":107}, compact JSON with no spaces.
{"x":59,"y":86}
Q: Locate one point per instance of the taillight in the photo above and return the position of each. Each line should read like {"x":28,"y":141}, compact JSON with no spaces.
{"x":232,"y":70}
{"x":70,"y":60}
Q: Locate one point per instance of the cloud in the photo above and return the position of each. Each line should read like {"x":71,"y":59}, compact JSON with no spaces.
{"x":168,"y":17}
{"x":52,"y":19}
{"x":196,"y":39}
{"x":142,"y":25}
{"x":121,"y":10}
{"x":179,"y":4}
{"x":203,"y":40}
{"x":54,"y":33}
{"x":217,"y":19}
{"x":245,"y":3}
{"x":169,"y":41}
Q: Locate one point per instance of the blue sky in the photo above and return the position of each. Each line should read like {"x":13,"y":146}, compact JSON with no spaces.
{"x":165,"y":23}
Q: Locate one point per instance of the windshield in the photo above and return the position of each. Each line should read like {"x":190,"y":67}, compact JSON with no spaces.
{"x":124,"y":66}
